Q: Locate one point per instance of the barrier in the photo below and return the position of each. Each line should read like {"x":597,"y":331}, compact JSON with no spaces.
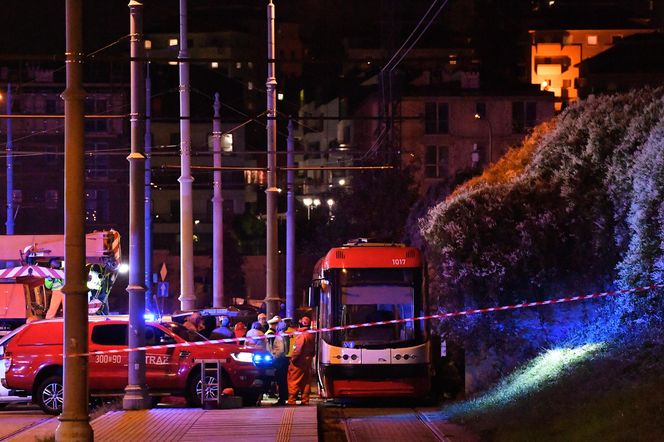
{"x":393,"y":321}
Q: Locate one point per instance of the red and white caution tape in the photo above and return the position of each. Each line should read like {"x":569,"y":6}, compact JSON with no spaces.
{"x":377,"y":323}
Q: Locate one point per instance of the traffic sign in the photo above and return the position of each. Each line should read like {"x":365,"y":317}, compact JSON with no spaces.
{"x":162,"y":289}
{"x":163,"y":271}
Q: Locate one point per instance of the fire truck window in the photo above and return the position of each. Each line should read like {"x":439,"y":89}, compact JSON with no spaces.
{"x":109,"y":334}
{"x":153,"y":335}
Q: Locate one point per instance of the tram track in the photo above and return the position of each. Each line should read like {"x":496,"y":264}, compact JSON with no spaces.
{"x":389,"y":424}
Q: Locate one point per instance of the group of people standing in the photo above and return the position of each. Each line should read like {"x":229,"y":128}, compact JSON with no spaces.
{"x":292,"y":348}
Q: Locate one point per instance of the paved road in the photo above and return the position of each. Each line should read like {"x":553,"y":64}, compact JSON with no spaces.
{"x":17,"y":418}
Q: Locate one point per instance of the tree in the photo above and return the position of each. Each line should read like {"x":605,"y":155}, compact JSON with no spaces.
{"x":375,"y":205}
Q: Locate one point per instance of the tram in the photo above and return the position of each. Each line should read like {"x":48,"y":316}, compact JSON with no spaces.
{"x":353,"y":287}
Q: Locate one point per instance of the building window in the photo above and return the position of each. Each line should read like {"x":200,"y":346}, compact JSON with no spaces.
{"x":96,"y":106}
{"x":592,"y":40}
{"x":51,"y":107}
{"x":172,"y":41}
{"x":97,"y":205}
{"x":97,"y":161}
{"x":436,"y":118}
{"x":524,"y":116}
{"x":478,"y":155}
{"x":51,"y":199}
{"x":436,"y":161}
{"x":17,"y":196}
{"x":567,"y":84}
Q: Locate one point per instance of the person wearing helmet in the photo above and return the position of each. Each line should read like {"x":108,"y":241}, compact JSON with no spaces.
{"x":299,"y":370}
{"x":276,"y":346}
{"x":223,"y":331}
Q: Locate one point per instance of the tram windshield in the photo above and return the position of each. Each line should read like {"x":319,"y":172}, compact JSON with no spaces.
{"x":372,"y":295}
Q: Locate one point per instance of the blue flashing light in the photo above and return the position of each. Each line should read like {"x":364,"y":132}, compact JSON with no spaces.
{"x":150,"y":317}
{"x":261,"y":359}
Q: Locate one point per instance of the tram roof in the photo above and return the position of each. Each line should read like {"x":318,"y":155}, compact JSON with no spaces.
{"x":371,"y":255}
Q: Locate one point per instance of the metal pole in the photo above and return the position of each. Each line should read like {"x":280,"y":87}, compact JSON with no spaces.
{"x":217,"y":213}
{"x":10,"y":166}
{"x":74,"y":421}
{"x":490,"y":141}
{"x":187,"y":296}
{"x":136,"y":393}
{"x":272,"y":265}
{"x":290,"y":225}
{"x":149,"y":303}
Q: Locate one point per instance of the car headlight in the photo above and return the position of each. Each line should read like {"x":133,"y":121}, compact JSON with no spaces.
{"x":243,"y":356}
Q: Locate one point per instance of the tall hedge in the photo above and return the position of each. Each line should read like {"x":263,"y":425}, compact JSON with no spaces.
{"x":578,"y":207}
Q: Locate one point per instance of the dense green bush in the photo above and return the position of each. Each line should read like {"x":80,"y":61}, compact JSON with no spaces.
{"x":578,"y":207}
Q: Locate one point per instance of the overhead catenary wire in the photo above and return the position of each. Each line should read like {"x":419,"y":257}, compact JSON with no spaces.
{"x":394,"y":61}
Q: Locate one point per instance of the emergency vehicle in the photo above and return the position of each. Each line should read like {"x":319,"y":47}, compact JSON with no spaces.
{"x":27,"y":276}
{"x":33,"y":362}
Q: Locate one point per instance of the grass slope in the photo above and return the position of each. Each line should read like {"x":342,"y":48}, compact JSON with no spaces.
{"x":608,"y":392}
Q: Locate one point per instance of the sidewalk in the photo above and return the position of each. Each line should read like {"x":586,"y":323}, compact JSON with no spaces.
{"x":273,"y":424}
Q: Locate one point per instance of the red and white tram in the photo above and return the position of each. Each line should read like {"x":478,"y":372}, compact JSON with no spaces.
{"x":363,"y":283}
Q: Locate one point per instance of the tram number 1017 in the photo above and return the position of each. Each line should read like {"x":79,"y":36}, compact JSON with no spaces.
{"x":398,"y":261}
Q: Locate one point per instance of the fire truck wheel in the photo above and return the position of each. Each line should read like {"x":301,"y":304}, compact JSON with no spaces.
{"x":50,"y":395}
{"x":211,"y":391}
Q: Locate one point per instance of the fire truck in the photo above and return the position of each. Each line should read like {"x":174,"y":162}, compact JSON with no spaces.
{"x":31,"y":274}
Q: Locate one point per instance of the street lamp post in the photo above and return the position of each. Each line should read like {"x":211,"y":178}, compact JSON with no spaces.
{"x":488,"y":122}
{"x":136,"y":392}
{"x":10,"y":166}
{"x":308,"y":202}
{"x":330,"y":203}
{"x":272,"y":299}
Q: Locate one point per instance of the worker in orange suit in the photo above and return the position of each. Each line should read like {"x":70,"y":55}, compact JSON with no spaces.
{"x":299,"y":369}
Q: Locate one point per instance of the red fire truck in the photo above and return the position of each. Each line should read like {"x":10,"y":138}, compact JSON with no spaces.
{"x":29,"y":280}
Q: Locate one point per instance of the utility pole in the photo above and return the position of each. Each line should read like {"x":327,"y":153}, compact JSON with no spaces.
{"x":136,"y":393}
{"x":148,"y":193}
{"x":187,"y":296}
{"x":290,"y":224}
{"x":10,"y":166}
{"x":272,"y":281}
{"x":217,"y":212}
{"x":74,"y":420}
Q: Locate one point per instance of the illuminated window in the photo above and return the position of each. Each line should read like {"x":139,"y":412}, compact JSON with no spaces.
{"x":172,"y":41}
{"x":214,"y":65}
{"x":250,"y":85}
{"x":592,"y":40}
{"x":147,"y":44}
{"x":238,"y":65}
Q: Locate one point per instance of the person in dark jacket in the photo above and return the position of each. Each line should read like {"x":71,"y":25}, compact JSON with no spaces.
{"x":224,"y":330}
